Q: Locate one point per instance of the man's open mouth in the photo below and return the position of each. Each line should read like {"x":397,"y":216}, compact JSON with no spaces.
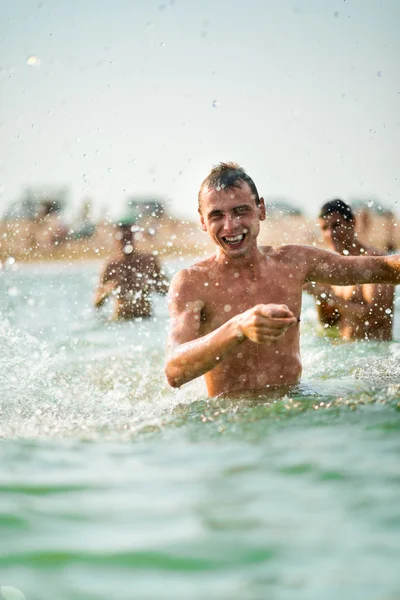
{"x":234,"y":240}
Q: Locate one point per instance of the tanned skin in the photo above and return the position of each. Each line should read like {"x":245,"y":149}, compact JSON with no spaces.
{"x":130,"y":278}
{"x":234,"y":316}
{"x":360,"y":311}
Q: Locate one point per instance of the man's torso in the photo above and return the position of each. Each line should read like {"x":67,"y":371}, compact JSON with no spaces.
{"x":377,"y":321}
{"x":134,"y":279}
{"x":226,"y":292}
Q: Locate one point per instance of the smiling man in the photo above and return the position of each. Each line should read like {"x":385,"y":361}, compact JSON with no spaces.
{"x":359,"y":311}
{"x":235,"y":315}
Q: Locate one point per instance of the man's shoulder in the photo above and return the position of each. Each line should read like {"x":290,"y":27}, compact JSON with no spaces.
{"x":111,"y":265}
{"x":287,"y":251}
{"x":146,"y":257}
{"x":110,"y":271}
{"x":194,"y":273}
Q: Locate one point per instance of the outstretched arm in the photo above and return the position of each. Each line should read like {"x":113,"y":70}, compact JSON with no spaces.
{"x":190,"y":355}
{"x":327,"y":267}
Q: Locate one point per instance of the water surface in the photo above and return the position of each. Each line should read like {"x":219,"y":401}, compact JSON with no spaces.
{"x":115,"y":486}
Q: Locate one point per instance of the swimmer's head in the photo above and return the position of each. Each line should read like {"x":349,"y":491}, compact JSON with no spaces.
{"x":124,"y":236}
{"x":336,"y":206}
{"x":228,"y":176}
{"x":337,"y":224}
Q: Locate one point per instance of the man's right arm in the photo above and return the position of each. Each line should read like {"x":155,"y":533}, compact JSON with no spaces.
{"x":326,"y":302}
{"x":104,"y":288}
{"x":190,"y":355}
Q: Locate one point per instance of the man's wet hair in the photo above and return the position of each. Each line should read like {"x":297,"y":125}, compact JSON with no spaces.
{"x":336,"y":206}
{"x":228,"y":175}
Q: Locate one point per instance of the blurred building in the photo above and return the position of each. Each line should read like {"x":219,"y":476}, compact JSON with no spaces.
{"x":376,"y":224}
{"x":279,"y":208}
{"x":142,"y":207}
{"x":37,"y":203}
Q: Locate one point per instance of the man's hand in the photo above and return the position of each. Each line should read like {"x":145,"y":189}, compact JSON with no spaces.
{"x":103,"y":291}
{"x":265,"y":323}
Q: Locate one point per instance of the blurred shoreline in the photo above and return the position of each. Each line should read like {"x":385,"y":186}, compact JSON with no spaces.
{"x":24,"y":241}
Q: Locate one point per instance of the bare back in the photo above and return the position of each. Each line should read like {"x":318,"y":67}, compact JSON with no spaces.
{"x":133,"y":279}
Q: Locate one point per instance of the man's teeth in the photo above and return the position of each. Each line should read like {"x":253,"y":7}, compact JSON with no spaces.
{"x":234,"y":239}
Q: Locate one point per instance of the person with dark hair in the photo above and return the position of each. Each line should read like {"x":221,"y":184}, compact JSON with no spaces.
{"x":359,"y":311}
{"x":130,"y":278}
{"x":235,"y":315}
{"x":339,"y":207}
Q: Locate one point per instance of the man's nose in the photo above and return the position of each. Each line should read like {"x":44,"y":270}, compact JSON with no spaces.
{"x":231,"y":221}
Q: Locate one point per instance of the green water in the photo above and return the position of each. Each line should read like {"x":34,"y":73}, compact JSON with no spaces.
{"x":115,"y":486}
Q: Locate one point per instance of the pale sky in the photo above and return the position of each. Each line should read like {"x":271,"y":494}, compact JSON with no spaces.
{"x":143,"y":97}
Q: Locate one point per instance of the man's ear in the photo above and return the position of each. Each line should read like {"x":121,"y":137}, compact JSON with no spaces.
{"x":203,"y":225}
{"x":261,"y":206}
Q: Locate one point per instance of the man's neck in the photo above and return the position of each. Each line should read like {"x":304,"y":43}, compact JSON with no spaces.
{"x":123,"y":256}
{"x":247,"y":261}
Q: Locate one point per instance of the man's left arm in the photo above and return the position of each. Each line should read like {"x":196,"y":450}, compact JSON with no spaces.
{"x":105,"y":288}
{"x":328,"y":267}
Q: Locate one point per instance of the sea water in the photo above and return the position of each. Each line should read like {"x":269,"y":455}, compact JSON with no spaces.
{"x":113,"y":485}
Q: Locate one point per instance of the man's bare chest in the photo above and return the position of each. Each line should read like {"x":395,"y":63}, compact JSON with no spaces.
{"x":225,"y":299}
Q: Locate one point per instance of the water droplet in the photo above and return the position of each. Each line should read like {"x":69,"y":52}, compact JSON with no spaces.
{"x":215,"y":103}
{"x":33,"y":61}
{"x":370,"y":203}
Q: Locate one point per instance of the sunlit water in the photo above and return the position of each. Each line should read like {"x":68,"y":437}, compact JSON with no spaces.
{"x":115,"y":486}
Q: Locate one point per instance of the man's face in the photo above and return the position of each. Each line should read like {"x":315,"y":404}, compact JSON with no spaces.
{"x":232,"y":218}
{"x":337,"y":232}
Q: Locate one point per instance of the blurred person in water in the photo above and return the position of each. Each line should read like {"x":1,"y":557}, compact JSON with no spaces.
{"x":235,"y":315}
{"x":130,"y":278}
{"x":358,"y":311}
